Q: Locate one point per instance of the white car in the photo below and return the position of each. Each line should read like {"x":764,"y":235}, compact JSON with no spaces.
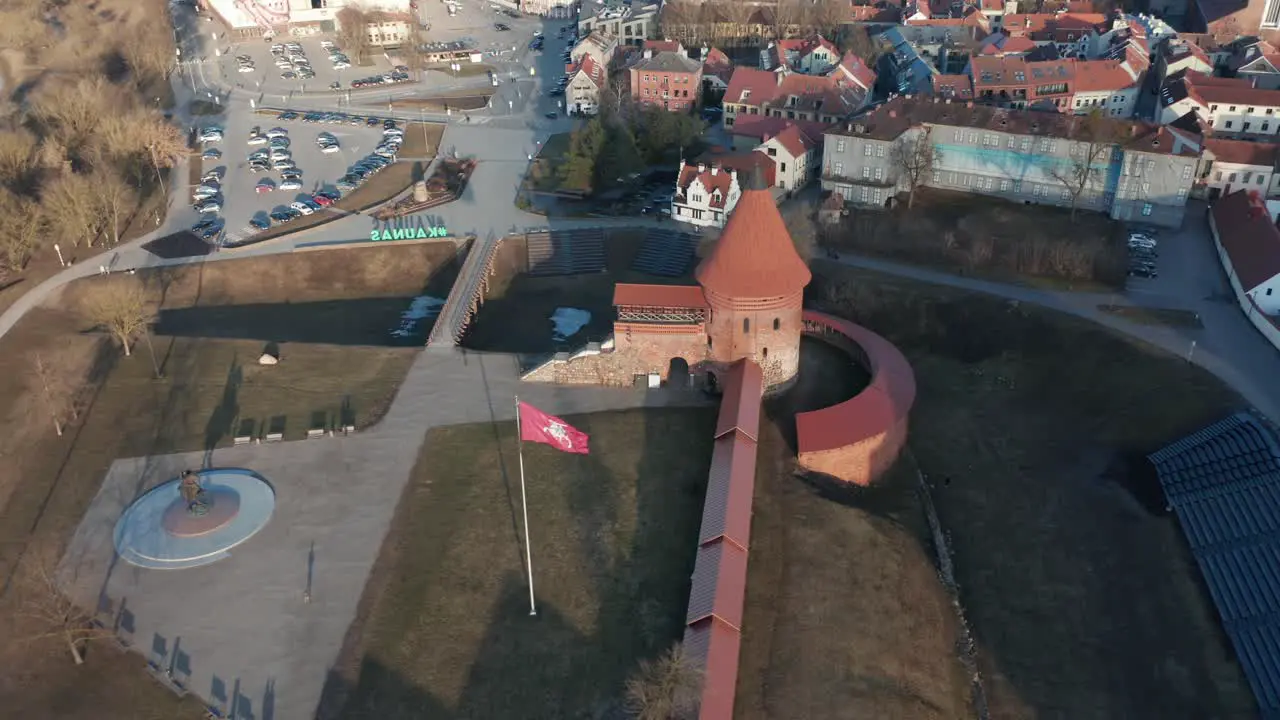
{"x":281,"y":154}
{"x":329,"y":149}
{"x":291,"y":185}
{"x":246,"y":68}
{"x":210,"y":137}
{"x":277,"y":133}
{"x":208,"y":207}
{"x":300,"y":207}
{"x":257,"y":140}
{"x":341,"y":65}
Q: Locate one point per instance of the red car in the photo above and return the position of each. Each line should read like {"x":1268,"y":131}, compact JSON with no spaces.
{"x":322,"y":200}
{"x":263,"y":188}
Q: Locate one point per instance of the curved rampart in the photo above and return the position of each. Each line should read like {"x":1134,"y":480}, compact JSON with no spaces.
{"x":857,"y":440}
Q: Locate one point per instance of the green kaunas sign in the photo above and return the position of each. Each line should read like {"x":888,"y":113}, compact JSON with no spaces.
{"x":409,"y":233}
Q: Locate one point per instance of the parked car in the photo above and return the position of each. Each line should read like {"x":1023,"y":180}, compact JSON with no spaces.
{"x":277,"y":132}
{"x":287,"y":115}
{"x":301,"y":207}
{"x":291,"y":185}
{"x":322,"y":200}
{"x":211,"y":154}
{"x":259,"y":223}
{"x":208,"y":206}
{"x":264,"y":186}
{"x":257,"y":140}
{"x":214,"y":175}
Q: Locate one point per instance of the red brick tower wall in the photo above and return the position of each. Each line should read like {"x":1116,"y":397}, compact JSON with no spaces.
{"x":754,"y":283}
{"x":766,"y":332}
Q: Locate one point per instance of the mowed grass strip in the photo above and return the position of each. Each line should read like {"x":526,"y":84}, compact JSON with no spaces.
{"x":613,"y":539}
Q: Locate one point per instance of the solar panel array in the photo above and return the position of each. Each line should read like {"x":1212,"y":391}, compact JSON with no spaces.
{"x":1224,"y":484}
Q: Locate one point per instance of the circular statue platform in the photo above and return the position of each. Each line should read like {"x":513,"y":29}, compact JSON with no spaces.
{"x":161,"y":531}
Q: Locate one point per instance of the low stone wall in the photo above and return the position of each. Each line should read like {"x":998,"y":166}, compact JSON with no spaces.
{"x":859,"y":439}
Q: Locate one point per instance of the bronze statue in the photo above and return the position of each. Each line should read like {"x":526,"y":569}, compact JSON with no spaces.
{"x":196,"y":498}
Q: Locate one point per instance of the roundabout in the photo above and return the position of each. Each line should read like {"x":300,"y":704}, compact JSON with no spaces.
{"x":194,"y":519}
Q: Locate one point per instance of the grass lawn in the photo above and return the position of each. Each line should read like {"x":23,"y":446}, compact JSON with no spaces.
{"x":468,"y":69}
{"x":468,"y":100}
{"x":1154,"y":316}
{"x":1083,"y":604}
{"x":47,"y":481}
{"x":991,"y":237}
{"x":845,"y":616}
{"x":444,"y":629}
{"x":543,"y":175}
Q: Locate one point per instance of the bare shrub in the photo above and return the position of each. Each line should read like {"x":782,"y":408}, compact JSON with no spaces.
{"x":114,"y":199}
{"x":667,"y":688}
{"x":50,"y":613}
{"x":57,"y":379}
{"x":18,"y":159}
{"x":979,"y":253}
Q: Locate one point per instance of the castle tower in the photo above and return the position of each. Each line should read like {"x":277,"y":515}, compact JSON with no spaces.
{"x":754,"y":283}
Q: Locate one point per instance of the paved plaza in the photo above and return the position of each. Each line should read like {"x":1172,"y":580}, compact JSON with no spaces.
{"x":258,"y":631}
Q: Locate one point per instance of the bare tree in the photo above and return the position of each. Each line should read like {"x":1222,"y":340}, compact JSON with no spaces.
{"x":120,"y":307}
{"x":1091,"y":143}
{"x":680,"y":20}
{"x":57,"y":381}
{"x":786,"y":15}
{"x":828,"y":16}
{"x":668,"y":688}
{"x":147,"y":48}
{"x":142,"y":142}
{"x":21,"y":226}
{"x":18,"y":159}
{"x":115,"y":199}
{"x":914,"y":156}
{"x":52,"y":614}
{"x":71,"y":113}
{"x":70,"y":198}
{"x":728,"y":19}
{"x":353,"y":30}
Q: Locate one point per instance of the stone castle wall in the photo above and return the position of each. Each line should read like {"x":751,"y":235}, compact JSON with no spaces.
{"x":769,"y":338}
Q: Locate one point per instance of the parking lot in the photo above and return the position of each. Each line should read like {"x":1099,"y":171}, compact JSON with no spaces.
{"x":269,"y":71}
{"x":247,"y":196}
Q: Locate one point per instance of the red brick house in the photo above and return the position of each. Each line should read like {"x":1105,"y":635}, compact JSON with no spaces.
{"x":669,"y":80}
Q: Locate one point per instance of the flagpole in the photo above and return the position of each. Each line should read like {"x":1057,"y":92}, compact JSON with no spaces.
{"x":524,"y":508}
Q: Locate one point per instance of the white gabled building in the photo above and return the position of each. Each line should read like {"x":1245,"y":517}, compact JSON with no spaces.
{"x":705,"y":195}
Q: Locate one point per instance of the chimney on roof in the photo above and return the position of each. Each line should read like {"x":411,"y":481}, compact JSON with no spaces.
{"x":702,"y":167}
{"x":1133,"y":130}
{"x":714,"y":170}
{"x":648,"y":53}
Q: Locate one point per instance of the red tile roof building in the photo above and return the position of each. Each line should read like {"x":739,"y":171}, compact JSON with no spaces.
{"x":587,"y":79}
{"x":666,"y":79}
{"x":1248,"y":244}
{"x":717,"y":69}
{"x":1230,"y":107}
{"x":825,"y":98}
{"x":1110,"y":86}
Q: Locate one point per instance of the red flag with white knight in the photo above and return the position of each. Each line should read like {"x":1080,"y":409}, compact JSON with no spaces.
{"x":537,"y":426}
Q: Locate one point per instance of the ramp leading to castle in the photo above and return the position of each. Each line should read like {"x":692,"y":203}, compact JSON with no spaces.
{"x":464,"y":297}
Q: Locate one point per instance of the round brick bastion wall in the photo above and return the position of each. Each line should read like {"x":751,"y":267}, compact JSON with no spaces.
{"x":858,"y":440}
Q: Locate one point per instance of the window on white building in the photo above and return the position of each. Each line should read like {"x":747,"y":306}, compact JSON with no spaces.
{"x":866,"y":173}
{"x":840,"y":146}
{"x":959,"y":136}
{"x":1004,"y":186}
{"x":879,"y":173}
{"x":866,"y":149}
{"x":1146,"y":189}
{"x":1066,"y":196}
{"x":1186,"y":172}
{"x":1182,"y":194}
{"x":840,"y":169}
{"x":865,"y":194}
{"x":1026,"y":144}
{"x":1011,"y":143}
{"x":937,"y":177}
{"x":1146,"y":208}
{"x":1151,"y":166}
{"x":878,"y":197}
{"x":880,"y":150}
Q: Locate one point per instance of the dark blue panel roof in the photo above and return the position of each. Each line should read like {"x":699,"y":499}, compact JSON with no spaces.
{"x":1224,"y":484}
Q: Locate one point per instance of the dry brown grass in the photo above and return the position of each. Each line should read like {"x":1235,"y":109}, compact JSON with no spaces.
{"x":1083,"y":603}
{"x":46,"y":482}
{"x":990,"y":237}
{"x":444,"y":628}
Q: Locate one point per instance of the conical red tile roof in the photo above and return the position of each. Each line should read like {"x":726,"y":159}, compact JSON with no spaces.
{"x":755,"y":257}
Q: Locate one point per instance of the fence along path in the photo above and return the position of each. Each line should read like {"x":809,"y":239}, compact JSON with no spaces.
{"x":464,"y":296}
